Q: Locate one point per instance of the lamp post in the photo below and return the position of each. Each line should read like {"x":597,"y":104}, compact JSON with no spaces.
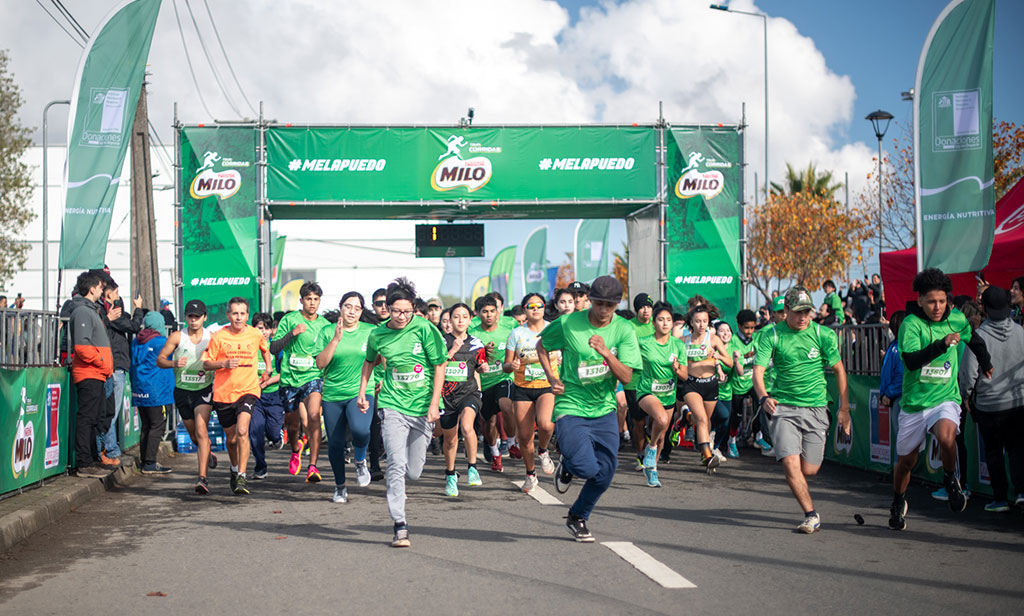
{"x":46,"y":213}
{"x":764,"y":22}
{"x":880,"y":122}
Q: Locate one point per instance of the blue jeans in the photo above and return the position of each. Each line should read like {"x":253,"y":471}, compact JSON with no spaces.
{"x":720,"y":422}
{"x":108,"y":440}
{"x":266,"y":423}
{"x":338,"y":416}
{"x":590,"y":450}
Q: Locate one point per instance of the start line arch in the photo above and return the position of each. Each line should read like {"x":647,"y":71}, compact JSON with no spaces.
{"x":679,"y":188}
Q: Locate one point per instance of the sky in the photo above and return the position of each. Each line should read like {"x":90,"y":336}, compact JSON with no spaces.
{"x":830,"y":64}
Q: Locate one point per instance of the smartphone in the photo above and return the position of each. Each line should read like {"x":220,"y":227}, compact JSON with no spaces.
{"x":980,"y":277}
{"x":119,"y":303}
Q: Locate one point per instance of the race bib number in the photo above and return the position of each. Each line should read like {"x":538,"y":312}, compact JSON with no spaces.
{"x":301,"y":361}
{"x":409,"y":379}
{"x":593,"y":371}
{"x":457,"y":373}
{"x":261,"y":366}
{"x":663,"y":387}
{"x":696,"y":353}
{"x":937,"y":372}
{"x":193,"y":379}
{"x":533,"y":372}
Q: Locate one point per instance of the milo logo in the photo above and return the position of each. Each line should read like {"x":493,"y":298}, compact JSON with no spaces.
{"x":693,"y":183}
{"x":452,"y":171}
{"x":21,"y":452}
{"x":208,"y":182}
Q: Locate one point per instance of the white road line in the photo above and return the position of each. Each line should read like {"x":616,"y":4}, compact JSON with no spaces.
{"x":647,"y":565}
{"x":539,"y":495}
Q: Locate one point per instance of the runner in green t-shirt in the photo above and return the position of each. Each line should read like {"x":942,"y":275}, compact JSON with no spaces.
{"x":726,"y":375}
{"x":301,"y":335}
{"x":630,"y":414}
{"x":759,"y":427}
{"x":798,"y":404}
{"x":741,"y":377}
{"x":930,"y":401}
{"x":656,"y":389}
{"x":598,"y":349}
{"x":342,"y":362}
{"x":410,"y":395}
{"x":495,"y":384}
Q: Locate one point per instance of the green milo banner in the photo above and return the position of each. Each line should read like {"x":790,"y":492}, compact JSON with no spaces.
{"x":872,"y":441}
{"x":704,"y":215}
{"x":431,"y":163}
{"x":128,"y":427}
{"x":219,"y":217}
{"x":34,"y":441}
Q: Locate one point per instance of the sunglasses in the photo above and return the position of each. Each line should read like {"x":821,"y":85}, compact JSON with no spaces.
{"x":534,"y":306}
{"x":379,"y":303}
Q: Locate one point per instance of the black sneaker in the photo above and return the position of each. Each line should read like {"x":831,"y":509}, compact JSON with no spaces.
{"x":957,"y":498}
{"x":202,"y":488}
{"x":578,"y":528}
{"x":240,"y":485}
{"x":234,"y":480}
{"x":212,"y":462}
{"x":562,"y":479}
{"x":376,"y":475}
{"x":898,"y":515}
{"x":94,"y":471}
{"x":155,"y":469}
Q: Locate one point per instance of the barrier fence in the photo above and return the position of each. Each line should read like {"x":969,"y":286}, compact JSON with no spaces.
{"x":29,"y":338}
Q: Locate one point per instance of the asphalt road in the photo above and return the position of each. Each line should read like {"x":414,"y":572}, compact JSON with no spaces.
{"x":288,"y":549}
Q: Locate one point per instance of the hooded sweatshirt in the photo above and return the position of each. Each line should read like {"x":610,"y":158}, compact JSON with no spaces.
{"x":1005,"y":390}
{"x":92,"y":359}
{"x":151,"y":385}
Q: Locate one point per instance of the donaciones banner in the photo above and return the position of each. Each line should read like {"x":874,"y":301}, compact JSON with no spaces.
{"x":590,"y":258}
{"x":106,"y":92}
{"x":501,"y":272}
{"x":535,"y":258}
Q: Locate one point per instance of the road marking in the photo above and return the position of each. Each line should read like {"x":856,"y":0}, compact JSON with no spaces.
{"x":656,"y":570}
{"x":539,"y":495}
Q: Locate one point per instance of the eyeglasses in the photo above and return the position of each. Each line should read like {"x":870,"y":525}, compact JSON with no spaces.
{"x":401,"y":313}
{"x":534,"y":306}
{"x":379,"y":303}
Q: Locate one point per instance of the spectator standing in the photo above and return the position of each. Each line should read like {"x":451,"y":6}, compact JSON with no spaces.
{"x":1017,"y":301}
{"x":91,"y":365}
{"x":999,"y":402}
{"x":169,"y":320}
{"x":857,"y":299}
{"x":832,"y":299}
{"x":152,"y":389}
{"x":120,"y":329}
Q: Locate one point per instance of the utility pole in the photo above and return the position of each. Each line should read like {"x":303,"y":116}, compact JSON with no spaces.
{"x":145,"y":278}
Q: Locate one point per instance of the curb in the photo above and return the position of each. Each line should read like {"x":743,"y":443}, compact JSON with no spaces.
{"x":23,"y":515}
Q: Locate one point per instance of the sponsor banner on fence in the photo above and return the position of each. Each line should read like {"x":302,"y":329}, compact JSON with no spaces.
{"x":33,"y":425}
{"x":704,"y":214}
{"x":219,"y":222}
{"x":436,"y":163}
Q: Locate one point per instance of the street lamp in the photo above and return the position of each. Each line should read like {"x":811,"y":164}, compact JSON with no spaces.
{"x":880,"y":122}
{"x":764,"y":20}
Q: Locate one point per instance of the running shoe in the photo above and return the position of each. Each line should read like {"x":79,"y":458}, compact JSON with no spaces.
{"x":451,"y":485}
{"x":240,"y":485}
{"x":295,"y":463}
{"x":718,"y":455}
{"x":651,"y":474}
{"x":810,"y":524}
{"x":546,"y":464}
{"x":957,"y":498}
{"x":940,"y":495}
{"x":650,"y":457}
{"x":496,"y":465}
{"x":234,"y":480}
{"x":710,"y":464}
{"x":109,"y":462}
{"x":487,"y":451}
{"x":260,"y":474}
{"x":202,"y":487}
{"x":434,"y":450}
{"x":401,"y":539}
{"x":313,"y":475}
{"x":155,"y":469}
{"x":578,"y":528}
{"x":898,"y":515}
{"x":474,"y":477}
{"x":764,"y":446}
{"x":212,"y":461}
{"x":503,"y":447}
{"x":515,"y":452}
{"x":304,"y":445}
{"x":530,"y":482}
{"x":562,"y":479}
{"x":340,"y":495}
{"x":639,"y":466}
{"x":93,"y":471}
{"x":674,"y":437}
{"x":376,"y":475}
{"x":997,"y":506}
{"x":362,"y":474}
{"x":733,"y":451}
{"x":278,"y":444}
{"x":1020,"y":500}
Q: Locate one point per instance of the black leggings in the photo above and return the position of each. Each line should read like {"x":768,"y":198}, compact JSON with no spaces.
{"x":1003,"y":430}
{"x":153,"y":420}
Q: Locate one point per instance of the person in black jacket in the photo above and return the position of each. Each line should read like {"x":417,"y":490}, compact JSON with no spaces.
{"x":120,"y":329}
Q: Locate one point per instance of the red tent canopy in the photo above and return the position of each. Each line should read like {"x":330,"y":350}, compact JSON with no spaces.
{"x":1005,"y":264}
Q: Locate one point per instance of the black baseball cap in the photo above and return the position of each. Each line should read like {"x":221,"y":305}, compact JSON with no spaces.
{"x":641,"y":300}
{"x":996,"y":302}
{"x":579,"y":288}
{"x":195,"y":307}
{"x":606,"y":289}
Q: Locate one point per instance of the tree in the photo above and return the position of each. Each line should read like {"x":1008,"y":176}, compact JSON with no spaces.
{"x":620,"y":269}
{"x":15,"y":178}
{"x":899,"y":221}
{"x":809,"y":181}
{"x":566,"y":273}
{"x":803,"y":237}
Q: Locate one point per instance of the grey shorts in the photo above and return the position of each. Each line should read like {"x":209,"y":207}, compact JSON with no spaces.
{"x":799,"y":431}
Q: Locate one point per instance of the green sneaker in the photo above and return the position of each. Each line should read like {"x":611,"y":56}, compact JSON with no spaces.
{"x":234,"y":480}
{"x":451,"y":485}
{"x":240,"y":485}
{"x":474,"y":477}
{"x":997,"y":507}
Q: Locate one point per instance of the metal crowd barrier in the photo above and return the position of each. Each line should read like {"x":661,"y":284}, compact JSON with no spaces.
{"x":862,"y":347}
{"x":29,"y":338}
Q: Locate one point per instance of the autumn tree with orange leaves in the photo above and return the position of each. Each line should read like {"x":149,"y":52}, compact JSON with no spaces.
{"x":803,"y":237}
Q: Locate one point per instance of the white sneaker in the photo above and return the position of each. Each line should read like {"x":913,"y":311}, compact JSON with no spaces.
{"x":362,"y":474}
{"x":340,"y":495}
{"x":810,"y":524}
{"x":718,"y":454}
{"x":529,"y":483}
{"x":546,"y":464}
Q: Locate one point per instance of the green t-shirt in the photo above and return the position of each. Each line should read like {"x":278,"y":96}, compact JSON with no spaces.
{"x":657,"y":377}
{"x":298,"y":360}
{"x":341,"y":376}
{"x":769,"y":371}
{"x":411,"y":354}
{"x":799,"y":358}
{"x":589,"y":382}
{"x":499,"y":336}
{"x":836,"y":305}
{"x":262,"y":367}
{"x":741,"y":384}
{"x":725,"y":387}
{"x":378,"y":370}
{"x":503,"y":321}
{"x":935,"y":382}
{"x":642,"y":331}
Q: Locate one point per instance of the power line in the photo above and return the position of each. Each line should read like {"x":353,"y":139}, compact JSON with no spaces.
{"x":188,"y":60}
{"x":74,"y":22}
{"x":209,"y":61}
{"x":59,"y":24}
{"x":227,"y":61}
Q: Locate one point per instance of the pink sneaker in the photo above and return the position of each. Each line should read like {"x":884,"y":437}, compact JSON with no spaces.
{"x":296,"y":462}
